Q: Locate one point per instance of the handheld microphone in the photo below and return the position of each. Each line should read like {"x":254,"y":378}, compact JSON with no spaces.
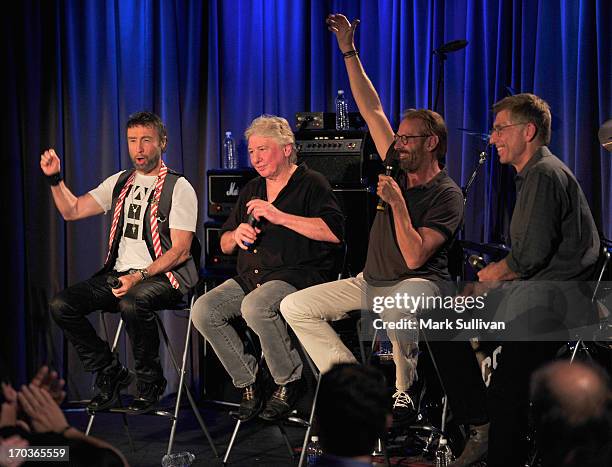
{"x":477,"y":262}
{"x":113,"y":282}
{"x":252,"y":221}
{"x":391,"y":170}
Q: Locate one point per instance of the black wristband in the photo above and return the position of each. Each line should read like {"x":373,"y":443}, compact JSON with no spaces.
{"x":53,"y":180}
{"x":350,"y":53}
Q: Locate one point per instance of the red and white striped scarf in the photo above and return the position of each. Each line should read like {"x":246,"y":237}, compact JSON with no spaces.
{"x":161,"y":178}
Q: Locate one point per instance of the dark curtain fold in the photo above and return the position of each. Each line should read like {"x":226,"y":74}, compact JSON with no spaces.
{"x":75,"y":70}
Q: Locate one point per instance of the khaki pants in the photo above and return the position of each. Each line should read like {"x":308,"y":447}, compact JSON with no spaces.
{"x":309,"y":311}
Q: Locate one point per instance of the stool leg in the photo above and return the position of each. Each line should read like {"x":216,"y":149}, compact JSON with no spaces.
{"x":286,"y":438}
{"x":310,"y":420}
{"x":181,"y":372}
{"x":231,"y":443}
{"x":114,"y":346}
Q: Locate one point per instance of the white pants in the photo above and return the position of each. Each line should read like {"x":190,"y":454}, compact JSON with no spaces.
{"x":308,"y":312}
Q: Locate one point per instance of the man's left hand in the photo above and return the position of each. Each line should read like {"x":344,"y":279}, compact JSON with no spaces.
{"x":127,"y":282}
{"x":264,"y":209}
{"x":388,"y":190}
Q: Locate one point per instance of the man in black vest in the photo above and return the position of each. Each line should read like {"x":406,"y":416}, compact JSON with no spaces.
{"x":154,"y":218}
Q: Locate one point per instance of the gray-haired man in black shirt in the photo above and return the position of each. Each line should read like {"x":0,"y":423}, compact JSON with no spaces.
{"x":284,"y":227}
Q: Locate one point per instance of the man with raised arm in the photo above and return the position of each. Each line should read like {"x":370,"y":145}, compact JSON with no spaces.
{"x":154,"y":219}
{"x":408,"y":246}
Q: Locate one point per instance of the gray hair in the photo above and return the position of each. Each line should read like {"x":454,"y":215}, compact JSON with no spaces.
{"x":277,"y":128}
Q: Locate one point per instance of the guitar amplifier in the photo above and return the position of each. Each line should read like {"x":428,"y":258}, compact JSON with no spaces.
{"x":214,"y":258}
{"x":224,"y":186}
{"x":342,"y":156}
{"x":325,"y":120}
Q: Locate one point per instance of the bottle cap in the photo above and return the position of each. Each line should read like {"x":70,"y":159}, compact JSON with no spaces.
{"x":442,"y":442}
{"x":314,"y":438}
{"x":340,"y":92}
{"x":228,"y":134}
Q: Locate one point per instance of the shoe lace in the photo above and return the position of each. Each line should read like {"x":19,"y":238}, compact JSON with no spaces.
{"x":402,"y":399}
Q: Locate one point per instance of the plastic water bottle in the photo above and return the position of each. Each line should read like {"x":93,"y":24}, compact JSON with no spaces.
{"x":313,"y":451}
{"x":178,"y":459}
{"x":342,"y":122}
{"x":444,"y":455}
{"x":230,"y":159}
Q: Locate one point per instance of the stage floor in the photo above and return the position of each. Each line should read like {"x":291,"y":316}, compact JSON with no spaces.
{"x":257,"y":443}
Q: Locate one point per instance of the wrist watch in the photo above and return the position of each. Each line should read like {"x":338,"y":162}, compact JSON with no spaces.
{"x":144,"y":274}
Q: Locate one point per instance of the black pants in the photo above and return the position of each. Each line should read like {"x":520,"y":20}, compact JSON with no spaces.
{"x":508,"y":399}
{"x":70,"y":307}
{"x":462,"y":381}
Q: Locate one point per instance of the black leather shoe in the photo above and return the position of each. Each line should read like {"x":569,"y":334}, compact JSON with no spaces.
{"x":109,"y":382}
{"x":280,"y":405}
{"x":251,"y":403}
{"x":148,"y":395}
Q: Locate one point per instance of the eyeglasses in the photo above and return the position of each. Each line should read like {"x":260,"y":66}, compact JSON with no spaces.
{"x":405,"y":139}
{"x":499,"y":129}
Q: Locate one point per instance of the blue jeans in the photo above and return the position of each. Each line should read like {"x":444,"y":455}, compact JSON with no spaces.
{"x":213,"y":312}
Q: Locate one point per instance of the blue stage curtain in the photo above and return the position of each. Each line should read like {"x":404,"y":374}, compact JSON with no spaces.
{"x":76,"y":69}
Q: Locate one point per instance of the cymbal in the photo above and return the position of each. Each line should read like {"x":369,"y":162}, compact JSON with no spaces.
{"x":605,"y":135}
{"x":481,"y":136}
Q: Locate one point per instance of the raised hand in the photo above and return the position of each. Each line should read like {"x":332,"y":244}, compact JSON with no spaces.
{"x":344,"y":31}
{"x":50,"y":381}
{"x":44,"y":413}
{"x":50,"y":162}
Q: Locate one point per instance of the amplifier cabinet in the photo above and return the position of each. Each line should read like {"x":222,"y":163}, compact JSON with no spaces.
{"x":341,"y":156}
{"x":214,"y":258}
{"x":224,"y":186}
{"x":359,"y":208}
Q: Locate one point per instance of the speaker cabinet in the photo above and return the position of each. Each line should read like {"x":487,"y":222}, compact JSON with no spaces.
{"x":342,"y":156}
{"x":214,"y":258}
{"x":359,"y":208}
{"x":224,"y":186}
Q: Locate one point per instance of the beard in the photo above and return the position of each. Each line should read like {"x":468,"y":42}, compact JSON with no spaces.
{"x":148,"y":165}
{"x":409,"y":161}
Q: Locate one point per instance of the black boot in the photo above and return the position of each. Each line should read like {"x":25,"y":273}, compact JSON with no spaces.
{"x":148,"y":395}
{"x":253,"y":397}
{"x":109,"y":381}
{"x":280,"y":405}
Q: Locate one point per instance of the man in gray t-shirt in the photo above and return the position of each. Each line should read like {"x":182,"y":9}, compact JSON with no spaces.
{"x":407,"y":252}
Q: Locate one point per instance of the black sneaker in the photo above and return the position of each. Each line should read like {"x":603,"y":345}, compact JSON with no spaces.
{"x":282,"y":402}
{"x":403,"y":411}
{"x":148,"y":395}
{"x":109,"y":382}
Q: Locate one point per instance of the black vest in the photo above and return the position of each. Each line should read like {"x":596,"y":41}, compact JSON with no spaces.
{"x":187,"y":273}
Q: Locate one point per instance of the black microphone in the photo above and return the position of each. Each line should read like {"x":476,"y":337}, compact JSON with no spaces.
{"x":113,"y":282}
{"x":252,"y":221}
{"x":477,"y":262}
{"x":451,"y":46}
{"x":391,"y":170}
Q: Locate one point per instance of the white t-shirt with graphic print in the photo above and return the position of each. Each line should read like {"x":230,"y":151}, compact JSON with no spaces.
{"x":133,"y":252}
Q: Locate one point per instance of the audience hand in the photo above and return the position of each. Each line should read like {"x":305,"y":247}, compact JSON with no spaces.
{"x":45,"y":414}
{"x":14,"y":442}
{"x":50,"y":381}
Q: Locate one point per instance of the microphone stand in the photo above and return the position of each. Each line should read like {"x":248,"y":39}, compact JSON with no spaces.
{"x":482,"y":159}
{"x":441,"y":59}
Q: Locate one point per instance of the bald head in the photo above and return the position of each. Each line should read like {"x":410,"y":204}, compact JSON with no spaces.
{"x":581,"y":392}
{"x":572,"y":415}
